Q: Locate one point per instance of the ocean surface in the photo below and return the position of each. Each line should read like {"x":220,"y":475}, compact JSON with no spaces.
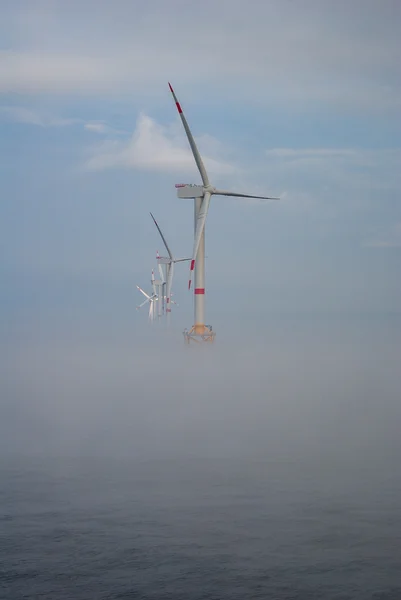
{"x":193,"y":529}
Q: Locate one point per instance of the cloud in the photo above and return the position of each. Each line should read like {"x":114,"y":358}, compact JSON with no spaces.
{"x":20,"y":114}
{"x":96,"y":127}
{"x":32,"y":73}
{"x":102,"y":128}
{"x":357,"y":169}
{"x":154,"y":147}
{"x":335,"y":187}
{"x":29,"y":116}
{"x":352,"y":156}
{"x":296,"y":53}
{"x":391,"y":238}
{"x":300,"y":153}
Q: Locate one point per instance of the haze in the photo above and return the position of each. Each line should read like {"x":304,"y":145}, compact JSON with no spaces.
{"x":304,"y":294}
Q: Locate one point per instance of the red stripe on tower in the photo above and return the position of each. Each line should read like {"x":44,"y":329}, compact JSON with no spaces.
{"x":199,"y":291}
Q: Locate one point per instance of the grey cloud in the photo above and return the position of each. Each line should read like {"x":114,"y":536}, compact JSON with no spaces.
{"x":102,"y":128}
{"x":154,"y":147}
{"x":268,"y":52}
{"x":21,"y":114}
{"x":389,"y":238}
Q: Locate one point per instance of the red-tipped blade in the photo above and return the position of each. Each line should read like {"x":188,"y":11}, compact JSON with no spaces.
{"x":175,"y":99}
{"x":191,"y":141}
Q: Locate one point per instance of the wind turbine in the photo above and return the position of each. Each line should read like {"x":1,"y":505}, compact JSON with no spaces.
{"x":201,"y":195}
{"x":149,"y":299}
{"x":169,"y":262}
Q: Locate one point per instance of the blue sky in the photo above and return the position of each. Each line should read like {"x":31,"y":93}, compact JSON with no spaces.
{"x":289,"y":98}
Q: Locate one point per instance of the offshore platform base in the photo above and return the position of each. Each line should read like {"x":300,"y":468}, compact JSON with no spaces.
{"x":199,"y":334}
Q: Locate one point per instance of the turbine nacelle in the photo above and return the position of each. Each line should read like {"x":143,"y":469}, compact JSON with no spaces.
{"x":190,"y":191}
{"x":163,"y":260}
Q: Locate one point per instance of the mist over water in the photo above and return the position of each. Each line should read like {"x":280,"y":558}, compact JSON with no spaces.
{"x":301,"y":384}
{"x":266,"y":465}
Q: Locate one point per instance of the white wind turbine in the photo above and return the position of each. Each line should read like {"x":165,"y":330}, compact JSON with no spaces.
{"x":151,"y":299}
{"x":169,"y":262}
{"x":201,"y":195}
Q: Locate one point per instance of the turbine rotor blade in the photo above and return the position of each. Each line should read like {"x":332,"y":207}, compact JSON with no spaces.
{"x":162,"y":236}
{"x":144,"y":293}
{"x":161,"y":274}
{"x":191,"y":141}
{"x":143,"y":304}
{"x":236,"y":195}
{"x":200,"y":224}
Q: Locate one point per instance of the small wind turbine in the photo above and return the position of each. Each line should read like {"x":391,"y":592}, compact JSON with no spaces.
{"x":169,"y":262}
{"x":149,"y":299}
{"x":201,"y":195}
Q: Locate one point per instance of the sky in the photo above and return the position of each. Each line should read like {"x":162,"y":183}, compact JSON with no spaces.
{"x":295,"y":98}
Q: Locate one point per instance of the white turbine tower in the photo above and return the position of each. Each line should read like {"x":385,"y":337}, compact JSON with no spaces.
{"x":169,"y":262}
{"x":158,"y":290}
{"x":162,"y":280}
{"x":201,"y":195}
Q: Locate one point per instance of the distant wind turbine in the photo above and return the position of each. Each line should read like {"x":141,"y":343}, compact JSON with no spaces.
{"x":169,"y":262}
{"x":151,"y":299}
